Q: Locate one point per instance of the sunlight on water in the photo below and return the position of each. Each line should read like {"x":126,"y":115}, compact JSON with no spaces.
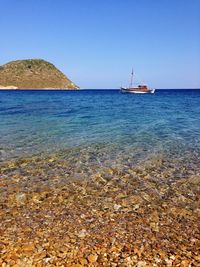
{"x":137,"y":125}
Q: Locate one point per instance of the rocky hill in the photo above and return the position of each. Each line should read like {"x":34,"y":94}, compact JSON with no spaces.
{"x":33,"y":74}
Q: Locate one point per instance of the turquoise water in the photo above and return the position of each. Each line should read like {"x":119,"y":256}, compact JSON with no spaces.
{"x":104,"y":122}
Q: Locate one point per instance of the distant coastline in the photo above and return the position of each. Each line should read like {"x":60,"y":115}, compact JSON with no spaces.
{"x":117,"y":90}
{"x":33,"y":74}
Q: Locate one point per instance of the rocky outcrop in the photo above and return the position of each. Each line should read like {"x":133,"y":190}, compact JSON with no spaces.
{"x":33,"y":74}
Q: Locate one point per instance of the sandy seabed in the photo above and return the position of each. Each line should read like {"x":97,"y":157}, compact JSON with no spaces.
{"x":74,"y":210}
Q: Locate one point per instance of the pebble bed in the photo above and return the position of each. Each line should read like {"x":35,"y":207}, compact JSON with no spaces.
{"x":88,"y":207}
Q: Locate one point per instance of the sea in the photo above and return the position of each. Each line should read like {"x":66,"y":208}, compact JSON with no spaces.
{"x":101,"y":127}
{"x":99,"y":177}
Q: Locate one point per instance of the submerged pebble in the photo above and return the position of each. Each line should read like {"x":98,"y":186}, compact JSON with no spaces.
{"x":57,"y":212}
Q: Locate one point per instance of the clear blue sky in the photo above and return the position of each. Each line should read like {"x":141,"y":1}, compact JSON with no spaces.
{"x":97,"y":42}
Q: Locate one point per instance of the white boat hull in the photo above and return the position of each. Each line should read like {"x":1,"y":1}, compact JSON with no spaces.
{"x":132,"y":91}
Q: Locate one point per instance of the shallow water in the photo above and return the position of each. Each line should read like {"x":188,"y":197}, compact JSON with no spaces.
{"x":101,"y":176}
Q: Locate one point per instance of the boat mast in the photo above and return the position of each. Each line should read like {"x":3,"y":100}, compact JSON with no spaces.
{"x":131,"y":84}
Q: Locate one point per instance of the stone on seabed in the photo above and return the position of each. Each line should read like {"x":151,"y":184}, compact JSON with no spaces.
{"x":92,"y":258}
{"x":20,"y":198}
{"x":49,"y":218}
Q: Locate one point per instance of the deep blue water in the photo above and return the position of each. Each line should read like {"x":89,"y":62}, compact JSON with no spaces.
{"x":33,"y":122}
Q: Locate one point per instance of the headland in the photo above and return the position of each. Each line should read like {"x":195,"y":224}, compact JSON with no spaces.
{"x":33,"y":74}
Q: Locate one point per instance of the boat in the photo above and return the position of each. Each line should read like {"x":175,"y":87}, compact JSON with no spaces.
{"x":139,"y":89}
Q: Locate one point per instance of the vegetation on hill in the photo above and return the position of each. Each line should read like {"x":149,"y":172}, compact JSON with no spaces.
{"x":33,"y":74}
